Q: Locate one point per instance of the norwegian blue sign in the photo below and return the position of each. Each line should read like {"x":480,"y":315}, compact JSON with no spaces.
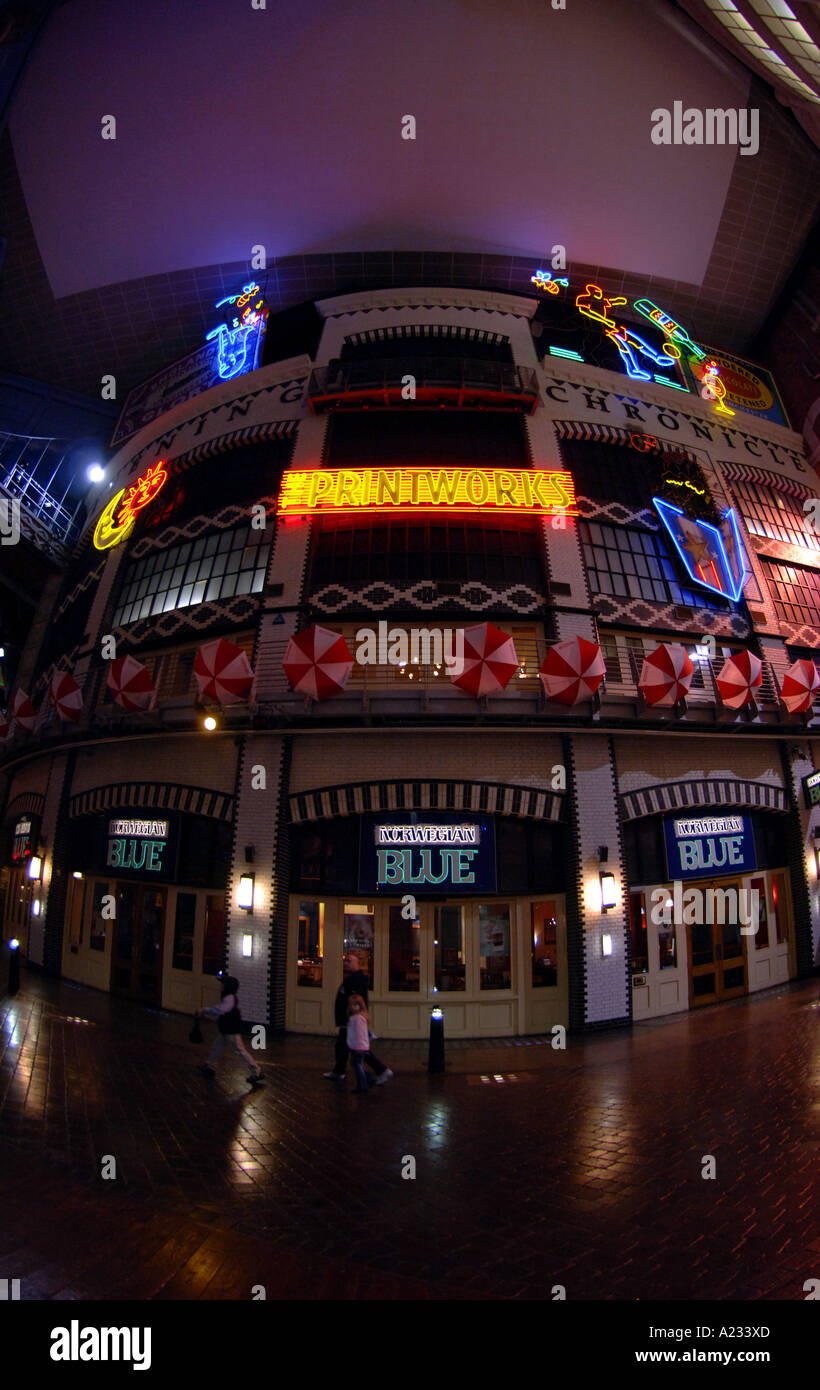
{"x":713,"y":557}
{"x":426,"y":852}
{"x":708,"y":846}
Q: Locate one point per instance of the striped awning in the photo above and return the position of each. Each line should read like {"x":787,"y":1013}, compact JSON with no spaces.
{"x":611,"y":434}
{"x":750,"y":473}
{"x":415,"y":331}
{"x":536,"y":803}
{"x":252,"y":434}
{"x":166,"y":796}
{"x":714,"y":791}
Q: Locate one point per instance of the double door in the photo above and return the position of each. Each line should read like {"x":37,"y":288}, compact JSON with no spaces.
{"x":717,"y":953}
{"x":136,"y":955}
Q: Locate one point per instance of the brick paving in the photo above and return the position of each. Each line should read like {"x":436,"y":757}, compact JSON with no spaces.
{"x":588,"y":1176}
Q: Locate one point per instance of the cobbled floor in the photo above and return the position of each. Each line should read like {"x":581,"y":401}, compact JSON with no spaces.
{"x":582,"y":1168}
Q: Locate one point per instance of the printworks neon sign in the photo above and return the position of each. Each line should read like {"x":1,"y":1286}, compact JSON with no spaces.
{"x":406,"y":491}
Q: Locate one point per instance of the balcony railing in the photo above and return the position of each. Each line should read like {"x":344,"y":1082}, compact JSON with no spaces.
{"x":445,"y":381}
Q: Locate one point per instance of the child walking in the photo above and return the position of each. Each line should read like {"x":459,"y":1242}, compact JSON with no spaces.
{"x":358,"y":1042}
{"x":229,"y":1024}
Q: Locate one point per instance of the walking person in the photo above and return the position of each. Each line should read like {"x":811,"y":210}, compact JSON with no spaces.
{"x":354,"y":982}
{"x":229,"y":1025}
{"x":358,"y":1040}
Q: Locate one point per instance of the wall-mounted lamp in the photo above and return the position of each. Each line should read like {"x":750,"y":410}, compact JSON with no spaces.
{"x":609,"y":894}
{"x":35,"y":908}
{"x":76,"y":874}
{"x":244,"y":895}
{"x":35,"y":866}
{"x":606,"y":944}
{"x":247,"y":946}
{"x":209,"y":723}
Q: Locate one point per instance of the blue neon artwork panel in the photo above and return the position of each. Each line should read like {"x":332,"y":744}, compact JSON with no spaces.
{"x":713,"y":556}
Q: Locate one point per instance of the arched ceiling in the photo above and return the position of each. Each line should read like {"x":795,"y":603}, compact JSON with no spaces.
{"x":283,"y":127}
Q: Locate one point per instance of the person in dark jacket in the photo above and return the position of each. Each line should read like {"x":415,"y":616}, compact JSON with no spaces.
{"x":353,"y":982}
{"x":229,"y":1025}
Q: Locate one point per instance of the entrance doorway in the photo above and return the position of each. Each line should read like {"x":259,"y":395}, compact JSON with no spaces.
{"x":136,"y":957}
{"x":717,"y":956}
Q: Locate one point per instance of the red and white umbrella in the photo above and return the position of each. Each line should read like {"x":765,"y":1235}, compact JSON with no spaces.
{"x":800,"y":682}
{"x":317,"y":662}
{"x":666,"y":674}
{"x":490,"y":660}
{"x":22,"y":710}
{"x":572,"y":671}
{"x":741,"y":676}
{"x":130,"y":683}
{"x":66,"y":696}
{"x":223,"y":672}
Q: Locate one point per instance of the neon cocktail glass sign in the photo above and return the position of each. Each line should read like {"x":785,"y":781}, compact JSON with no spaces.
{"x":405,"y":491}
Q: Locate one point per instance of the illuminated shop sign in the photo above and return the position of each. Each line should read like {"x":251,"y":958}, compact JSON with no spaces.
{"x":21,"y":844}
{"x":117,"y":521}
{"x":236,"y":335}
{"x":434,"y":854}
{"x":141,"y":846}
{"x":811,"y":789}
{"x":704,"y":846}
{"x":404,"y":491}
{"x":713,"y":558}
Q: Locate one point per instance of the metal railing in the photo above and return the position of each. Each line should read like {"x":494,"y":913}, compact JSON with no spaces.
{"x":22,"y":457}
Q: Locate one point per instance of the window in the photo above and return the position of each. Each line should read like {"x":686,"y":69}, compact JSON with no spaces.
{"x":201,"y":571}
{"x":405,"y":550}
{"x":450,"y":960}
{"x":96,"y":938}
{"x":425,"y":656}
{"x":358,"y":935}
{"x":403,"y":952}
{"x":494,"y":956}
{"x":625,"y":562}
{"x":310,"y":945}
{"x":769,"y":512}
{"x":544,"y":945}
{"x":795,"y":590}
{"x":184,"y":927}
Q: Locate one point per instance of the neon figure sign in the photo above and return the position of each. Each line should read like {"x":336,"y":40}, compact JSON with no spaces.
{"x":234,"y":334}
{"x":117,"y":521}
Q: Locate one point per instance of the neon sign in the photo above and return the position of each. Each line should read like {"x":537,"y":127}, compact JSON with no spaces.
{"x":116,"y":523}
{"x":713,"y":388}
{"x":406,"y":491}
{"x":671,"y":329}
{"x":233,"y":335}
{"x":543,"y":279}
{"x":713,"y":556}
{"x":595,"y":304}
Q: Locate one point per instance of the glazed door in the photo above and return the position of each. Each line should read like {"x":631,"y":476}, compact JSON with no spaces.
{"x":717,"y":958}
{"x":136,"y":962}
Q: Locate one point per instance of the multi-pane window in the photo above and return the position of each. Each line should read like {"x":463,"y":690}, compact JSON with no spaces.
{"x":200,"y":571}
{"x":630,"y":563}
{"x":795,"y":591}
{"x":405,"y":550}
{"x":769,"y":512}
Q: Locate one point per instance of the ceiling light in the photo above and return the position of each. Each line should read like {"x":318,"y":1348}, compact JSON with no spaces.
{"x":95,"y":473}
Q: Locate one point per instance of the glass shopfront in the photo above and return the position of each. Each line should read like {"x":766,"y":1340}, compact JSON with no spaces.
{"x":700,"y":934}
{"x":442,"y":913}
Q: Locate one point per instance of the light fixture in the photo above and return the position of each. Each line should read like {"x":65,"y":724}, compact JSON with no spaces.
{"x":35,"y":866}
{"x":609,"y":896}
{"x":436,"y":1013}
{"x":76,"y":874}
{"x":247,"y":946}
{"x":244,"y":895}
{"x":209,"y":723}
{"x":14,"y":944}
{"x":95,"y":473}
{"x":606,"y":944}
{"x":35,"y":908}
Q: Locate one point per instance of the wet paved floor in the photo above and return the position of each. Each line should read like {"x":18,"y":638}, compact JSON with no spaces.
{"x":585,"y":1170}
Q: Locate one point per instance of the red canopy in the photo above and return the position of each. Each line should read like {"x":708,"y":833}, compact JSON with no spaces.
{"x":223,"y":672}
{"x":741,"y":676}
{"x":317,"y":662}
{"x":130,"y":683}
{"x":22,"y":710}
{"x":490,"y":660}
{"x":800,"y":682}
{"x":66,"y":696}
{"x":572,"y":671}
{"x":666,"y":674}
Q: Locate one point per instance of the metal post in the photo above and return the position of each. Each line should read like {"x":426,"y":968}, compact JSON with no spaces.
{"x":435,"y":1053}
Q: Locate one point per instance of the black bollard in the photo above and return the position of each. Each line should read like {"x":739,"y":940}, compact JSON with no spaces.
{"x":14,"y":966}
{"x":435,"y":1054}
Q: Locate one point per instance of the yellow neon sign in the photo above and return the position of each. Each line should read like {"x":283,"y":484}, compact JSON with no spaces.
{"x":406,"y":491}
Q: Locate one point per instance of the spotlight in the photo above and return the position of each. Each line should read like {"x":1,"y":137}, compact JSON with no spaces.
{"x":95,"y":473}
{"x":209,"y":723}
